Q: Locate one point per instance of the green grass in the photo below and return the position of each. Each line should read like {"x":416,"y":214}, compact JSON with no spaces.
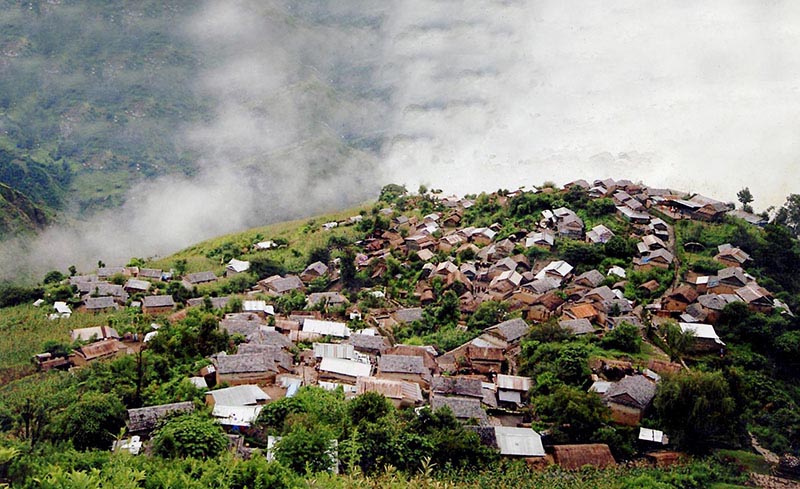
{"x":302,"y":235}
{"x":752,"y":462}
{"x":25,"y":329}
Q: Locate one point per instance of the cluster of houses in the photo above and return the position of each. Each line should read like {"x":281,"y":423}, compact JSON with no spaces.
{"x":478,"y":380}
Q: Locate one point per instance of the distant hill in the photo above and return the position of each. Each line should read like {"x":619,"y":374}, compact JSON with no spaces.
{"x":89,"y":95}
{"x":18,"y":213}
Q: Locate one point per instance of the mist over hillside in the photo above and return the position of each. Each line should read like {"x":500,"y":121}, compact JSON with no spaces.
{"x":297,"y":107}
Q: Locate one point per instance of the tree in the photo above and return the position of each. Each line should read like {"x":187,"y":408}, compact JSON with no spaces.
{"x":92,"y":421}
{"x":488,"y":314}
{"x":306,"y":448}
{"x":624,"y":337}
{"x":368,"y":407}
{"x":698,"y":410}
{"x":789,"y":214}
{"x":72,"y":270}
{"x":53,"y":277}
{"x":600,"y":207}
{"x":576,"y":414}
{"x":745,"y":197}
{"x":193,"y":435}
{"x":391,"y":192}
{"x":264,"y":267}
{"x":321,"y":254}
{"x":678,"y":342}
{"x":348,"y":269}
{"x":180,"y":266}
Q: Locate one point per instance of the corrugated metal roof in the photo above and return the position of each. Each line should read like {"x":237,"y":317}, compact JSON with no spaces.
{"x":647,"y":434}
{"x":240,"y":395}
{"x":345,"y":367}
{"x":333,"y":350}
{"x":392,"y":389}
{"x":510,"y":396}
{"x":326,"y":328}
{"x":704,"y":331}
{"x":513,"y":383}
{"x":521,"y":442}
{"x":236,"y":415}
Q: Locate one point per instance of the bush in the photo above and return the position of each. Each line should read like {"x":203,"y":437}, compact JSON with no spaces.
{"x":624,"y":337}
{"x":189,"y":435}
{"x":93,"y":421}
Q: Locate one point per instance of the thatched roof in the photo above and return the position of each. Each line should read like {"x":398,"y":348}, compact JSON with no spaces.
{"x":573,"y":457}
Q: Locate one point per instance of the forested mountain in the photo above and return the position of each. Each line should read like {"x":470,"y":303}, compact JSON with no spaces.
{"x":89,"y":95}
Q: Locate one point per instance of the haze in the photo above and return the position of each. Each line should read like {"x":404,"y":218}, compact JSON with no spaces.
{"x":318,"y":104}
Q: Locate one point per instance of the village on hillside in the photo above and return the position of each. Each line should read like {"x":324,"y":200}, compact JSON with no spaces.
{"x":434,"y":305}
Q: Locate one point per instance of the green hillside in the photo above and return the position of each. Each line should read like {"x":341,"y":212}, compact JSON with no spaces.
{"x":90,"y":94}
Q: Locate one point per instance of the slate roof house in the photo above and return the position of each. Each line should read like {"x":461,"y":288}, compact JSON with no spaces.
{"x":463,"y":408}
{"x":157,"y":304}
{"x":249,"y":368}
{"x":629,"y":398}
{"x":404,"y":367}
{"x":142,"y":421}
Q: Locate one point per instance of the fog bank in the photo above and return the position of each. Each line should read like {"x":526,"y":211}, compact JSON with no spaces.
{"x":318,"y":104}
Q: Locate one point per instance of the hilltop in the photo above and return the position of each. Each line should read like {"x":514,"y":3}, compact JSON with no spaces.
{"x":607,"y":323}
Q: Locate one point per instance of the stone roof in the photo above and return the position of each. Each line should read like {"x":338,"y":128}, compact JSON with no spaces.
{"x":577,"y":326}
{"x":158,"y":301}
{"x":369,"y":343}
{"x":593,"y":277}
{"x":457,"y":386}
{"x":146,"y":418}
{"x":462,"y":407}
{"x":245,"y":363}
{"x":97,"y":303}
{"x":638,"y":387}
{"x":406,"y":364}
{"x":408,"y":315}
{"x":200,"y":277}
{"x":512,"y":329}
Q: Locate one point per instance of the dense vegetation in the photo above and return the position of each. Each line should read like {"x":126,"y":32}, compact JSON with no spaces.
{"x":46,"y":420}
{"x":89,"y":96}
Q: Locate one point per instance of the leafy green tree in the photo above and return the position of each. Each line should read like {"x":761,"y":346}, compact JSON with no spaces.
{"x":745,"y":197}
{"x":193,"y":435}
{"x":578,"y":253}
{"x":624,"y":337}
{"x":53,"y":277}
{"x":348,"y":269}
{"x":321,"y":254}
{"x":92,"y":421}
{"x":264,"y":267}
{"x":446,"y":311}
{"x":619,"y":247}
{"x":179,"y":292}
{"x":575,"y":413}
{"x":391,"y":192}
{"x":677,"y":341}
{"x":601,"y":207}
{"x":180,"y":266}
{"x":487,"y":314}
{"x":306,"y":448}
{"x":369,"y":407}
{"x":293,"y":301}
{"x":698,"y":410}
{"x":452,"y":444}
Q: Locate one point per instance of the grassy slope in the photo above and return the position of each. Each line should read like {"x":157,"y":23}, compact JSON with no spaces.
{"x":302,"y":235}
{"x":25,"y":329}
